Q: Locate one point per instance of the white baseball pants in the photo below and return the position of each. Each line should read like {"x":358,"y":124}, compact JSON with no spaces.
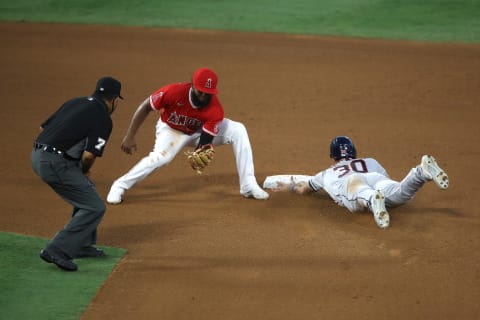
{"x":169,"y":142}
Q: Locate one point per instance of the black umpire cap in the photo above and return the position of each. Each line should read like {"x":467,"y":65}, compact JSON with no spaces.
{"x":109,"y":86}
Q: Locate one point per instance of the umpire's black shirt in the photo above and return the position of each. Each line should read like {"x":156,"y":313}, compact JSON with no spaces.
{"x":84,"y":120}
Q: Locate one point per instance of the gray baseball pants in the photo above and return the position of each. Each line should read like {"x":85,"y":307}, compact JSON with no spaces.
{"x":65,"y":177}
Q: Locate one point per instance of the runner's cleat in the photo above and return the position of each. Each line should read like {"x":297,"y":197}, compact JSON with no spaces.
{"x":380,"y":214}
{"x":432,"y":171}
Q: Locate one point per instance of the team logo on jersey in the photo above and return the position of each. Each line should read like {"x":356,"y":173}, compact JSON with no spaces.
{"x":156,"y":97}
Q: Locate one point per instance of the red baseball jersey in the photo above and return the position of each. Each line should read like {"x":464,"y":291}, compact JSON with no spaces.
{"x":176,"y":110}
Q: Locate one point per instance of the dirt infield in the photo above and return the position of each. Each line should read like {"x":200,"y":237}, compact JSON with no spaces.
{"x":196,"y":248}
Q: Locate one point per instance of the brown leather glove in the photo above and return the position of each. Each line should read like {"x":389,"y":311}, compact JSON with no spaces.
{"x":200,"y":158}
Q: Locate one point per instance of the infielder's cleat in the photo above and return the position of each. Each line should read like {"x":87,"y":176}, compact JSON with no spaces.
{"x":59,"y":258}
{"x":380,"y":214}
{"x":255,"y":192}
{"x":115,"y":195}
{"x":432,"y":171}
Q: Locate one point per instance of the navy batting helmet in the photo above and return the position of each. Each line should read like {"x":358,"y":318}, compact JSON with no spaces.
{"x":342,"y":147}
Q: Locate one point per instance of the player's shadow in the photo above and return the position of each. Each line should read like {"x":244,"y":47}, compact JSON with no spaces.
{"x":207,"y":186}
{"x":144,"y":232}
{"x":418,"y":210}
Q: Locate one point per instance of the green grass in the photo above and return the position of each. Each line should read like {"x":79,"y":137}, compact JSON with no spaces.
{"x":33,"y":289}
{"x":431,"y":20}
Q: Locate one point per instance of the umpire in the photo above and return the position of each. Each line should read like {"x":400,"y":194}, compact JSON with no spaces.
{"x":62,"y":156}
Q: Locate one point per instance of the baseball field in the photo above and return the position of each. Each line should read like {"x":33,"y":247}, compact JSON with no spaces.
{"x":196,"y":249}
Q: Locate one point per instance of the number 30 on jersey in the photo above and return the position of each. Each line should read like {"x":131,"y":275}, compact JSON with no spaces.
{"x":357,"y":165}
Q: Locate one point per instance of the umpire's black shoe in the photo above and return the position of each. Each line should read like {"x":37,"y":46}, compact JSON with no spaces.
{"x":59,"y":258}
{"x":90,"y":252}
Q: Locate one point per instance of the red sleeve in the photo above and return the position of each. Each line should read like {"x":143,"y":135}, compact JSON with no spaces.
{"x":157,"y":99}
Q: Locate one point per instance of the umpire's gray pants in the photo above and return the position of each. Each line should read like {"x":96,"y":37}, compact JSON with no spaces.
{"x":65,"y":177}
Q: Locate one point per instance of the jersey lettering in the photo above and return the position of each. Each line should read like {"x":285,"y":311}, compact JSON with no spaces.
{"x":183,"y":121}
{"x":342,"y":170}
{"x":100,"y":143}
{"x":357,"y":165}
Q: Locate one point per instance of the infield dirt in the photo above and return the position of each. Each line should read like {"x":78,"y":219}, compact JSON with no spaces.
{"x":196,"y":248}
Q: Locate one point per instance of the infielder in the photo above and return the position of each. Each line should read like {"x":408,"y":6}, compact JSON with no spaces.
{"x":362,"y":183}
{"x":191,"y":115}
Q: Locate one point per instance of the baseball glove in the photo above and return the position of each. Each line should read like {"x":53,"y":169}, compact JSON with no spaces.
{"x":200,"y":158}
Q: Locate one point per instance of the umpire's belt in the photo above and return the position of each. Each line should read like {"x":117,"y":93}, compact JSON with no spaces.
{"x":47,"y":148}
{"x":54,"y":150}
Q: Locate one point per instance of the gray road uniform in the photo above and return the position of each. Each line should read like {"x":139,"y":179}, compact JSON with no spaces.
{"x":362,"y":183}
{"x":352,"y":183}
{"x":79,"y":124}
